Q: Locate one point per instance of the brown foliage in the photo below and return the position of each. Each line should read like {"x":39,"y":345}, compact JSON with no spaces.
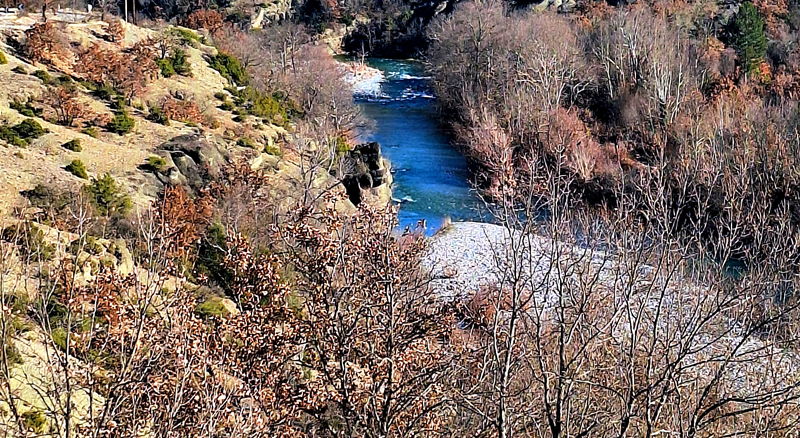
{"x":43,"y":43}
{"x":64,"y":102}
{"x":115,"y":31}
{"x":128,"y":72}
{"x":208,"y":19}
{"x":184,"y":110}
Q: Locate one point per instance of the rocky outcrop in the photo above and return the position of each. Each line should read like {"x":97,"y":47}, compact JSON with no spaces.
{"x":277,"y":10}
{"x":190,"y":160}
{"x":364,"y":169}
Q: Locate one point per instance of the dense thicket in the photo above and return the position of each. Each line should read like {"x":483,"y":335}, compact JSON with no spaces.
{"x":636,"y":103}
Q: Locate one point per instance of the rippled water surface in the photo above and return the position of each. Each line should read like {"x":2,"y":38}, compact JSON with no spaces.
{"x":431,"y":180}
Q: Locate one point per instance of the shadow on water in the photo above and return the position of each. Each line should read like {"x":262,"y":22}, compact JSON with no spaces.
{"x":431,"y":180}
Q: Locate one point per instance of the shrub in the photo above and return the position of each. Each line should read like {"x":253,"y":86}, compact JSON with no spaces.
{"x":748,"y":38}
{"x":105,"y":195}
{"x":44,"y":76}
{"x":8,"y":135}
{"x":48,"y":197}
{"x":59,"y":336}
{"x":34,"y":420}
{"x":29,"y":129}
{"x":19,"y":69}
{"x":73,"y":145}
{"x":266,"y":106}
{"x":219,"y":95}
{"x":89,"y":245}
{"x":105,"y":91}
{"x":43,"y":43}
{"x":212,"y":307}
{"x":180,"y":63}
{"x":166,"y":67}
{"x":3,"y":60}
{"x":64,"y":101}
{"x":26,"y":109}
{"x":187,"y":36}
{"x":91,"y":131}
{"x":77,"y":168}
{"x":30,"y":240}
{"x":155,"y":163}
{"x":274,"y":150}
{"x":230,"y":68}
{"x":121,"y":124}
{"x":245,"y":143}
{"x":204,"y":19}
{"x":157,"y":115}
{"x":10,"y":354}
{"x":115,"y":30}
{"x":227,"y":106}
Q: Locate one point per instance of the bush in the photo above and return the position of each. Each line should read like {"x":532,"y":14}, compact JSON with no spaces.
{"x":3,"y":60}
{"x":115,"y":30}
{"x":29,"y":129}
{"x":73,"y":145}
{"x":26,"y":109}
{"x":121,"y":124}
{"x":44,"y":76}
{"x":105,"y":91}
{"x":105,"y":195}
{"x":204,"y":19}
{"x":219,"y":95}
{"x":227,"y":106}
{"x":274,"y":150}
{"x":155,"y":163}
{"x":48,"y":197}
{"x":246,"y":143}
{"x":9,"y":136}
{"x":167,"y":70}
{"x":10,"y":354}
{"x":91,"y":131}
{"x":157,"y":115}
{"x":230,"y":68}
{"x":34,"y":420}
{"x":188,"y":37}
{"x":30,"y":240}
{"x":19,"y":69}
{"x":212,"y":308}
{"x":180,"y":63}
{"x":43,"y":43}
{"x":77,"y":168}
{"x":59,"y":336}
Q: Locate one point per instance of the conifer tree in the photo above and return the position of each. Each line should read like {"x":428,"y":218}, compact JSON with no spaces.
{"x":747,"y":37}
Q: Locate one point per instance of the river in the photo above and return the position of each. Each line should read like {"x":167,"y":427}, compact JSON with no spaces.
{"x":431,"y":180}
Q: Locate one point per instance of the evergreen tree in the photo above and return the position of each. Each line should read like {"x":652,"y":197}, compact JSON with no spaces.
{"x":748,"y":38}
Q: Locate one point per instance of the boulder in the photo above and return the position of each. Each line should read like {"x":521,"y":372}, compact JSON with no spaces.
{"x":209,"y":157}
{"x":364,"y":170}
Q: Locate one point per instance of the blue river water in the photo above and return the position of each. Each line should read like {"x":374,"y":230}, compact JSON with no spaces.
{"x":431,"y":180}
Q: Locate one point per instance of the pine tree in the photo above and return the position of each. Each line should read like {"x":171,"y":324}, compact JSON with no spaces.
{"x":748,"y":38}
